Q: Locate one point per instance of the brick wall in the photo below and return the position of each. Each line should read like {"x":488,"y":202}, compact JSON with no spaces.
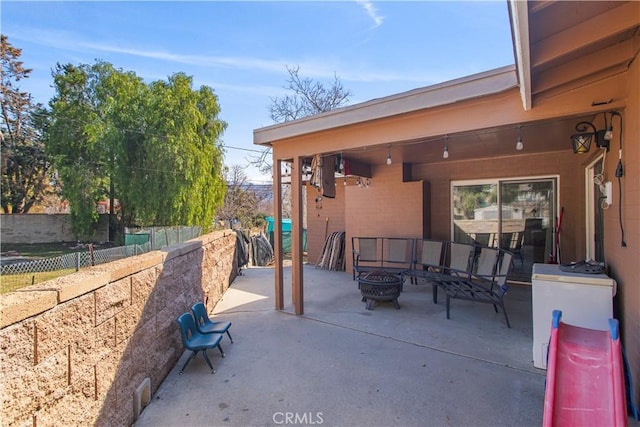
{"x":73,"y":350}
{"x":389,"y":207}
{"x":46,"y":228}
{"x":323,"y":219}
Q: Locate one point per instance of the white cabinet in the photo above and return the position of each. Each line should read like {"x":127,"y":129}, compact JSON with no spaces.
{"x":586,"y":300}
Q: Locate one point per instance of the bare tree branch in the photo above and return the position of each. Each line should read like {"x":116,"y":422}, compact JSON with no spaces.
{"x":309,"y":98}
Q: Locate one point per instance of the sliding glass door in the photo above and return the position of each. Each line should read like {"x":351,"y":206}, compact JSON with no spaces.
{"x":517,"y":215}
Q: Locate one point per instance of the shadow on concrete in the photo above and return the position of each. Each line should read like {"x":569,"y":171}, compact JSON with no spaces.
{"x":340,"y":364}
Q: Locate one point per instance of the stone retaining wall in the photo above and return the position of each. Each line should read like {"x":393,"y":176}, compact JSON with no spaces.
{"x":78,"y":349}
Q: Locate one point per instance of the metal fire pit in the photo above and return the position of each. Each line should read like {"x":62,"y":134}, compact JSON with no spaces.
{"x":380,"y":285}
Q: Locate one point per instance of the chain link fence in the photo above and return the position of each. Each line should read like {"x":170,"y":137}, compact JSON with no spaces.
{"x":17,"y":275}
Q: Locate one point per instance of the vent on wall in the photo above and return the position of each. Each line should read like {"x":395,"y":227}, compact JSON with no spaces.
{"x":141,"y":397}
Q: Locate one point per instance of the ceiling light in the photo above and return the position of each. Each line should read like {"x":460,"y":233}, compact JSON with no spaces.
{"x":608,"y":126}
{"x":445,"y":153}
{"x":389,"y":156}
{"x":519,"y":144}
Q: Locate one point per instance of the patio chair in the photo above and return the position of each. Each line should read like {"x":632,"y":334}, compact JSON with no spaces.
{"x":397,"y":255}
{"x":206,"y":325}
{"x":460,"y":262}
{"x":485,"y":288}
{"x":461,"y":256}
{"x":514,"y":245}
{"x":428,"y":262}
{"x":197,"y":342}
{"x":365,"y":255}
{"x":485,"y":264}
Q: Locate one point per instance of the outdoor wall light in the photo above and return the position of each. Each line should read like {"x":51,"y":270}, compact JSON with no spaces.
{"x":608,"y":127}
{"x":581,"y":141}
{"x":389,"y":155}
{"x":519,"y":144}
{"x":445,"y":153}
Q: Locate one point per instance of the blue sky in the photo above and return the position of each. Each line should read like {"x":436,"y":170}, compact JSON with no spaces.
{"x":241,"y":49}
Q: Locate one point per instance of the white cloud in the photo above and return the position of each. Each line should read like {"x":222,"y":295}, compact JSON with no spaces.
{"x":372,"y":12}
{"x":316,"y":68}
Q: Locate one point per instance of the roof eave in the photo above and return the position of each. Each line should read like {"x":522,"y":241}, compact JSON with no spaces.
{"x":462,"y":89}
{"x":519,"y":16}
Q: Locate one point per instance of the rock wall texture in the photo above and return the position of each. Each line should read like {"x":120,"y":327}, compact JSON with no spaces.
{"x":74,"y":350}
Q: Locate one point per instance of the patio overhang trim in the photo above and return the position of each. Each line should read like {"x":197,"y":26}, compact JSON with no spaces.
{"x":519,"y":15}
{"x":465,"y":88}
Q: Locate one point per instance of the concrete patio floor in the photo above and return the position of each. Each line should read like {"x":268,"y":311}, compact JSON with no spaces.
{"x":342,"y":365}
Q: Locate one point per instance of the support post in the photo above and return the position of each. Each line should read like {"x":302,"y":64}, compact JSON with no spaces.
{"x":277,"y":231}
{"x":296,"y":235}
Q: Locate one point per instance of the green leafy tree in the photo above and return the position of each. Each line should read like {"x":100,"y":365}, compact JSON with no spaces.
{"x":77,"y":141}
{"x":182,"y":161}
{"x":25,"y":164}
{"x":154,"y":148}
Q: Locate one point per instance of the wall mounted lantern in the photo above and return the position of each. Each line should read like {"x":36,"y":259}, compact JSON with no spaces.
{"x":581,"y":141}
{"x":587,"y":132}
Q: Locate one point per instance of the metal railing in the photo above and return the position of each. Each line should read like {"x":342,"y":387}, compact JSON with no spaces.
{"x":26,"y":273}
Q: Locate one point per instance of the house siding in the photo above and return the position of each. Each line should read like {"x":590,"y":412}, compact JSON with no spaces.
{"x":624,"y":261}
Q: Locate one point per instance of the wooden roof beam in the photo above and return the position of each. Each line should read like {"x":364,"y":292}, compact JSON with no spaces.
{"x":611,"y":57}
{"x":537,"y":6}
{"x":589,"y":32}
{"x":607,"y":92}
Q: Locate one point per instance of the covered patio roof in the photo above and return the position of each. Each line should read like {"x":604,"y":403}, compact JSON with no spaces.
{"x":560,"y":48}
{"x":571,"y":63}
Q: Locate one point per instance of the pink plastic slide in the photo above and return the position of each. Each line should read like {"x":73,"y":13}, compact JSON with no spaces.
{"x":585,"y":377}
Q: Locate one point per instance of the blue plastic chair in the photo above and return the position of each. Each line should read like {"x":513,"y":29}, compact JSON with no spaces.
{"x":196,"y":341}
{"x":206,"y":325}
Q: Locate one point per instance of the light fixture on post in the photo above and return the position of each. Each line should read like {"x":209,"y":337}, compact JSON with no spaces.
{"x":581,"y":141}
{"x":389,"y":155}
{"x":519,"y":144}
{"x":445,"y":153}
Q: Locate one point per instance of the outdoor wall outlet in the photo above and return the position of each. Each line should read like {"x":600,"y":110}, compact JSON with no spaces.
{"x":609,"y":192}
